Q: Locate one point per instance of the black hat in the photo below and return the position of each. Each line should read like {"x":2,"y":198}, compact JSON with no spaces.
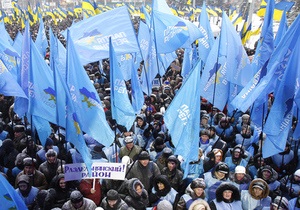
{"x":19,"y":128}
{"x":159,"y":141}
{"x":76,"y":196}
{"x":144,"y":156}
{"x":222,"y":167}
{"x":172,"y":158}
{"x":112,"y":195}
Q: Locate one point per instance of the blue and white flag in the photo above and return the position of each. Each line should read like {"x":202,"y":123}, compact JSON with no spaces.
{"x":137,"y":95}
{"x":9,"y":198}
{"x":92,"y":42}
{"x":86,"y":101}
{"x":206,"y":41}
{"x":265,"y":79}
{"x":121,"y":108}
{"x":280,"y":118}
{"x":182,"y":117}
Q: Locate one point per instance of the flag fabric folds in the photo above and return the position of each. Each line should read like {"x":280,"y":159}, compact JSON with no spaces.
{"x":92,"y":42}
{"x":182,"y":117}
{"x":121,"y":108}
{"x":21,"y":104}
{"x":86,"y":101}
{"x":206,"y":41}
{"x":265,"y":79}
{"x":280,"y":118}
{"x":41,"y":39}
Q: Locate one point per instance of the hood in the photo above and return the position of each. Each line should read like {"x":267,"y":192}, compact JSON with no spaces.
{"x":265,"y":192}
{"x":131,"y":187}
{"x":227,"y":186}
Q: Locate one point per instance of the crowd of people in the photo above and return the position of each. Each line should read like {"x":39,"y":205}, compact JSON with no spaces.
{"x":230,"y":171}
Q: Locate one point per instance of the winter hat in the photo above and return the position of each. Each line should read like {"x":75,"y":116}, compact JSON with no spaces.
{"x":29,"y":161}
{"x":240,"y":170}
{"x":172,"y":158}
{"x":76,"y":196}
{"x":198,"y":183}
{"x":284,"y":203}
{"x":144,"y":156}
{"x":297,"y":173}
{"x":23,"y":178}
{"x":112,"y":195}
{"x":49,"y":142}
{"x":19,"y":128}
{"x":222,"y":167}
{"x":51,"y":152}
{"x":128,"y":139}
{"x":159,"y":141}
{"x":164,"y":205}
{"x":259,"y":185}
{"x":167,"y":152}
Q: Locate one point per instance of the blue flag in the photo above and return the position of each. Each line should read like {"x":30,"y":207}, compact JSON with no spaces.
{"x":182,"y":117}
{"x":265,"y":79}
{"x":41,"y":39}
{"x":265,"y":45}
{"x":187,"y":62}
{"x":21,"y":104}
{"x":18,"y":42}
{"x":206,"y":41}
{"x":238,"y":67}
{"x":42,"y":127}
{"x":126,"y":64}
{"x":91,"y":41}
{"x":86,"y":100}
{"x":8,"y":84}
{"x":4,"y":35}
{"x":9,"y":198}
{"x":10,"y":59}
{"x":58,"y":60}
{"x":67,"y":111}
{"x":283,"y":27}
{"x":280,"y":118}
{"x":137,"y":95}
{"x":121,"y":108}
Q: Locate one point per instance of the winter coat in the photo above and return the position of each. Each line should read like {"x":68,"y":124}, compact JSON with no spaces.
{"x":212,"y":183}
{"x":144,"y":174}
{"x":133,"y":199}
{"x":174,"y":178}
{"x":120,"y":205}
{"x":87,"y":204}
{"x":240,"y":184}
{"x":37,"y":179}
{"x":168,"y":193}
{"x":188,"y":198}
{"x":219,"y":203}
{"x":85,"y":187}
{"x":250,"y":202}
{"x":49,"y":170}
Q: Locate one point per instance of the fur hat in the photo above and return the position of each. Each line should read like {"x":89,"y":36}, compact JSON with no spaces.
{"x":198,"y":183}
{"x":128,"y":139}
{"x":284,"y":203}
{"x":29,"y":161}
{"x":236,"y":196}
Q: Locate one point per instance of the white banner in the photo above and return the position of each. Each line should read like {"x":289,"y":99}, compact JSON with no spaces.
{"x":78,"y":171}
{"x":6,"y":4}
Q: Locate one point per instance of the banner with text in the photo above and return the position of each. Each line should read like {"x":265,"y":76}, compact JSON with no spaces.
{"x":100,"y":170}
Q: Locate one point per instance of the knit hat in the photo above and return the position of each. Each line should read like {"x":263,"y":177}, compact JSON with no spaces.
{"x":284,"y":203}
{"x":76,"y":196}
{"x":297,"y":173}
{"x":259,"y":185}
{"x":144,"y":156}
{"x":164,"y":205}
{"x":240,"y":170}
{"x":112,"y":195}
{"x":198,"y":183}
{"x":159,"y":141}
{"x":128,"y":139}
